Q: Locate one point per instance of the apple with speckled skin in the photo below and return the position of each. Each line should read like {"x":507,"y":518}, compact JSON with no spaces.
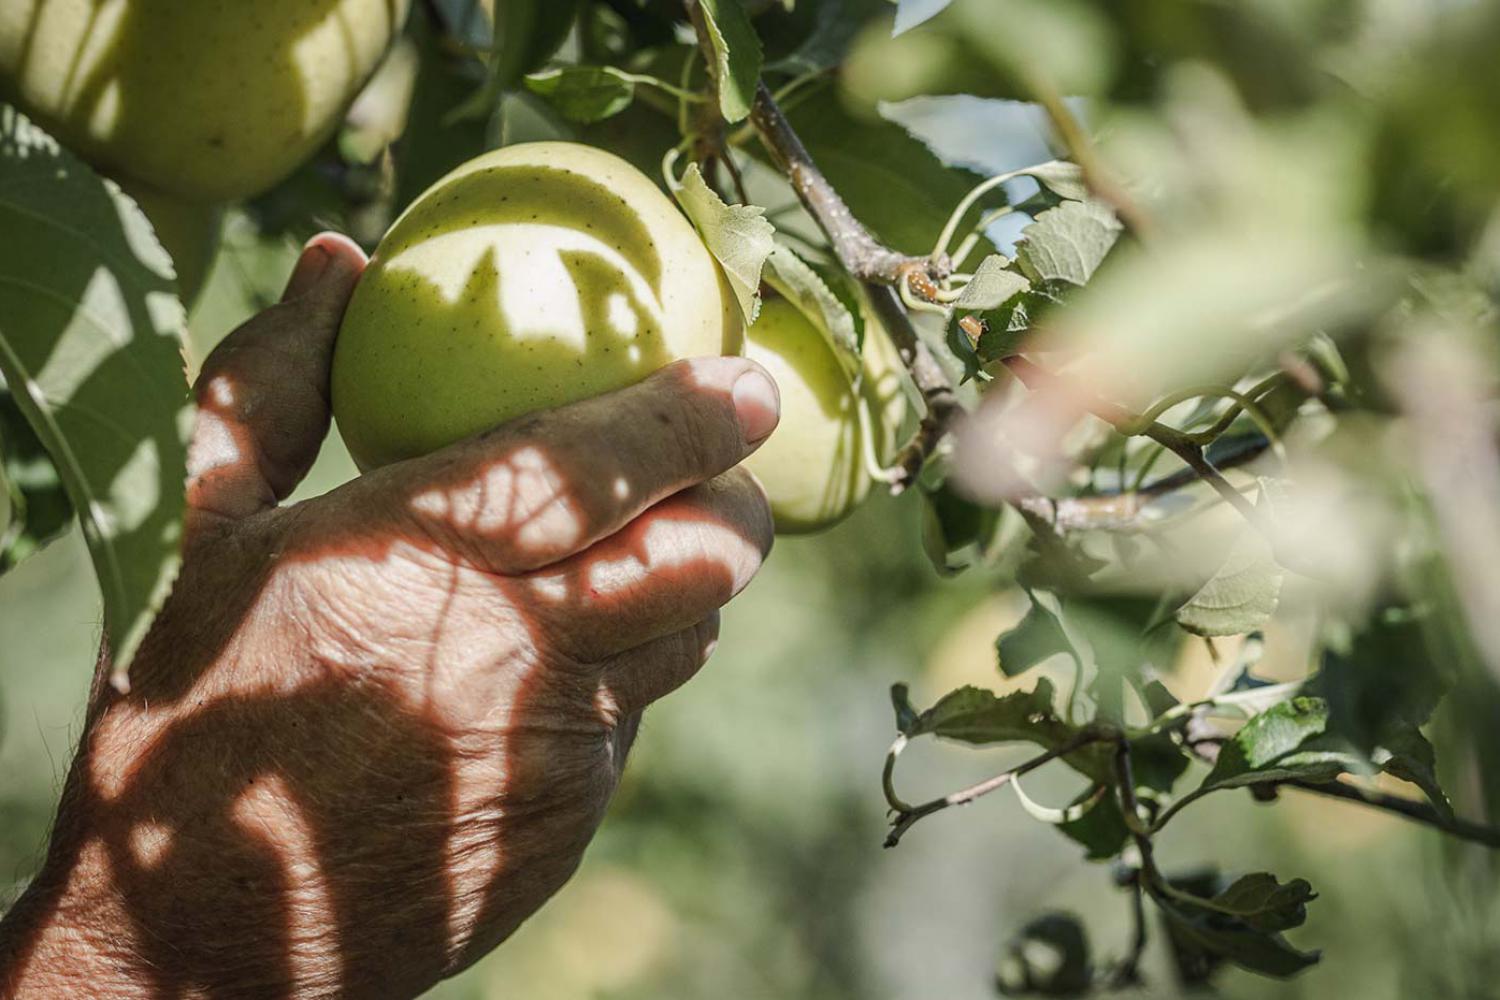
{"x":815,"y":466}
{"x":208,"y":100}
{"x":530,"y":277}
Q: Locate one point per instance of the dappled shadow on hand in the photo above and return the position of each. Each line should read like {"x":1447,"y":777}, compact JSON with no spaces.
{"x":372,"y":733}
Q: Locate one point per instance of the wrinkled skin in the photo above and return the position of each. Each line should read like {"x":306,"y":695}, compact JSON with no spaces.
{"x":374,"y":731}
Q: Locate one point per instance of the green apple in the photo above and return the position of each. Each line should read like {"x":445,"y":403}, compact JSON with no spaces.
{"x":816,"y":465}
{"x":205,"y":100}
{"x":530,"y":277}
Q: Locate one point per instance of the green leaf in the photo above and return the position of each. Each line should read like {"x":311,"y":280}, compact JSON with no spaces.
{"x":527,"y":33}
{"x":37,"y":506}
{"x":1405,"y":753}
{"x":1062,"y":178}
{"x":1280,"y":744}
{"x":738,"y":236}
{"x":1038,"y":636}
{"x":795,"y":279}
{"x":1201,"y":935}
{"x":975,"y":715}
{"x":1264,"y":903}
{"x":835,"y":26}
{"x":906,"y":716}
{"x":993,"y":285}
{"x":90,"y":346}
{"x":583,"y":94}
{"x":1100,"y":829}
{"x":954,"y":529}
{"x":1242,"y":594}
{"x":1068,"y":243}
{"x":737,"y":53}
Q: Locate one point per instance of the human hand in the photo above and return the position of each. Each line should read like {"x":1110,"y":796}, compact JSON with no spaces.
{"x":372,"y":732}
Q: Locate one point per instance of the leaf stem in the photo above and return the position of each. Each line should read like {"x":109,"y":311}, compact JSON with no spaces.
{"x":908,"y":815}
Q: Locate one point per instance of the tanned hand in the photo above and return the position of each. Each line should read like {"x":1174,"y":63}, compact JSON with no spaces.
{"x":372,"y":732}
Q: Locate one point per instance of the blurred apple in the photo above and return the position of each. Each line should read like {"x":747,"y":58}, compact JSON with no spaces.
{"x":205,"y":101}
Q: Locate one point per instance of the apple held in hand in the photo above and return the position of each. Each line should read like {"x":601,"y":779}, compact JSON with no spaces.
{"x":530,"y":277}
{"x":200,"y":99}
{"x":815,"y":466}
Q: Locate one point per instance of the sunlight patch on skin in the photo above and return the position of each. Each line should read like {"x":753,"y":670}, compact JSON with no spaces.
{"x":267,"y":810}
{"x":149,"y":842}
{"x":523,"y":493}
{"x":670,"y":544}
{"x":529,"y":256}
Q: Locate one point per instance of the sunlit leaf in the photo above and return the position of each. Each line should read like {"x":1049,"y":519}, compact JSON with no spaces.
{"x":993,"y":285}
{"x":90,"y":347}
{"x":37,"y":508}
{"x":1068,"y":243}
{"x":738,"y":236}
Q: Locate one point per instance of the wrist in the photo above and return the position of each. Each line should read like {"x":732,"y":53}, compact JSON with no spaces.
{"x":62,"y":938}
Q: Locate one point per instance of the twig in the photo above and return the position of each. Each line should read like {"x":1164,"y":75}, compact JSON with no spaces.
{"x":864,"y":257}
{"x":1419,"y":812}
{"x":907,"y":816}
{"x":931,"y":381}
{"x":860,"y":253}
{"x":1096,"y":175}
{"x":1175,"y":441}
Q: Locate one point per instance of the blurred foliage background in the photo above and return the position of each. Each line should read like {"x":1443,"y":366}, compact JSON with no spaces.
{"x":743,"y":855}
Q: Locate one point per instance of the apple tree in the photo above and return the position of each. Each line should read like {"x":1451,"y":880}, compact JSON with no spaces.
{"x":1178,"y":316}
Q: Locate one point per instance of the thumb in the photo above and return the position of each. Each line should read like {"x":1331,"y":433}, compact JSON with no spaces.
{"x":263,"y":393}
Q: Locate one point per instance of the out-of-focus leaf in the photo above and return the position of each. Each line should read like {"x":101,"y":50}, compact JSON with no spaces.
{"x":795,"y":279}
{"x":1264,"y":903}
{"x":1049,"y":957}
{"x":90,"y":347}
{"x":1100,"y":828}
{"x":993,"y":285}
{"x":1381,"y":689}
{"x":1038,"y":636}
{"x":37,"y":506}
{"x":527,"y":33}
{"x":1068,"y":243}
{"x":1405,"y":753}
{"x":738,"y":236}
{"x":953,"y":528}
{"x":737,"y":52}
{"x":835,"y":25}
{"x":583,"y":93}
{"x":906,"y":715}
{"x":1241,"y":596}
{"x":1204,"y":934}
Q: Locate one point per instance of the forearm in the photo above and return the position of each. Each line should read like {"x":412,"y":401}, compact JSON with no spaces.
{"x":61,"y":938}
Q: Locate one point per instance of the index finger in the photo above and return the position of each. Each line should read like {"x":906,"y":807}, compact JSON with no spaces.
{"x":543,"y":487}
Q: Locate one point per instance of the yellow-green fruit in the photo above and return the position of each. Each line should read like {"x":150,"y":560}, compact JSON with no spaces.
{"x":207,"y":100}
{"x":813,"y":466}
{"x":188,"y":231}
{"x":530,"y":277}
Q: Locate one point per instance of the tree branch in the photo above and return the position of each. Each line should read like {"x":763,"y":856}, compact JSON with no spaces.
{"x":858,"y":252}
{"x":1419,"y":812}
